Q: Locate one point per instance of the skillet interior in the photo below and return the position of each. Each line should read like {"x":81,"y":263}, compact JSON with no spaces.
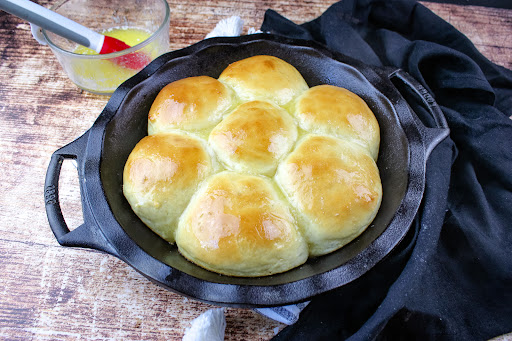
{"x":129,"y":125}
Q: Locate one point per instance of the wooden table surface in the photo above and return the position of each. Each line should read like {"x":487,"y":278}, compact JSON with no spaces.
{"x":49,"y":292}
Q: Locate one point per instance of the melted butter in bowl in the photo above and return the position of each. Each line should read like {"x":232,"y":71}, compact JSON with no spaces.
{"x":142,"y":24}
{"x":104,"y":73}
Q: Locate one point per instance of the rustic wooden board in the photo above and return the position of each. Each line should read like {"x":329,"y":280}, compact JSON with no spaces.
{"x":62,"y":294}
{"x":488,"y":28}
{"x":48,"y":292}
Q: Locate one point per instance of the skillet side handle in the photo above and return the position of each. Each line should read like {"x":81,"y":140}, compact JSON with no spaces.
{"x":435,"y":127}
{"x":86,"y":235}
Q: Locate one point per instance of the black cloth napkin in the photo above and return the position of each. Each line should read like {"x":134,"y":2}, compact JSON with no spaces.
{"x":451,"y":278}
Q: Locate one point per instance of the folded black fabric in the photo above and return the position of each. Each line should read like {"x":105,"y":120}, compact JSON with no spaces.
{"x":451,"y":278}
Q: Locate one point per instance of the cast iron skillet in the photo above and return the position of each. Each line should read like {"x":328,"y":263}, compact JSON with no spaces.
{"x":112,"y":227}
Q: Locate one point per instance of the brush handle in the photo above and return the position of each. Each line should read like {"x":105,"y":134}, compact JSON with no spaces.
{"x":54,"y":22}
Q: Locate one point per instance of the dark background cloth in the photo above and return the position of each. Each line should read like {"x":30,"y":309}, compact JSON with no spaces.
{"x":451,"y":278}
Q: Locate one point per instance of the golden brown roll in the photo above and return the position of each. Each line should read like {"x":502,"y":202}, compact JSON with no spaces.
{"x":331,"y":110}
{"x":335,"y":188}
{"x":238,"y":225}
{"x":161,"y":174}
{"x":254,"y":137}
{"x":264,"y":78}
{"x":192,"y":103}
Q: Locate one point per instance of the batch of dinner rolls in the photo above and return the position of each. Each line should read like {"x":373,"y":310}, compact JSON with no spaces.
{"x":252,"y":173}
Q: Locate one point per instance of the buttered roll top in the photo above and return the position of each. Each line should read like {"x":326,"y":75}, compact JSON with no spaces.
{"x":265,"y":78}
{"x":238,"y":225}
{"x":335,"y":189}
{"x":252,"y":173}
{"x":334,"y":111}
{"x":192,"y":103}
{"x":161,"y":175}
{"x":254,"y":137}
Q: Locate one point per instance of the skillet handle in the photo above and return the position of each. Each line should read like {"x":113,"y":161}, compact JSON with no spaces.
{"x":430,"y":118}
{"x":86,"y":235}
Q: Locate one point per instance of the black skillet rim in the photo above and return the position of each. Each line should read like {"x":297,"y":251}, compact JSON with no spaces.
{"x":251,"y":295}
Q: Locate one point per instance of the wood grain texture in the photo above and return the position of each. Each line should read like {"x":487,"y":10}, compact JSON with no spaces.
{"x":488,"y":28}
{"x":48,"y":292}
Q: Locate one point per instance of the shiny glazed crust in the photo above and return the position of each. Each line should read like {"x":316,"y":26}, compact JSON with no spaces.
{"x":330,"y":110}
{"x":252,"y":173}
{"x":265,"y":78}
{"x":237,"y":225}
{"x":334,"y":186}
{"x":161,"y":175}
{"x":254,"y":137}
{"x":192,"y":103}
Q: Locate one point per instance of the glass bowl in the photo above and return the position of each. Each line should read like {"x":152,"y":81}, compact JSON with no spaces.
{"x":142,"y":24}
